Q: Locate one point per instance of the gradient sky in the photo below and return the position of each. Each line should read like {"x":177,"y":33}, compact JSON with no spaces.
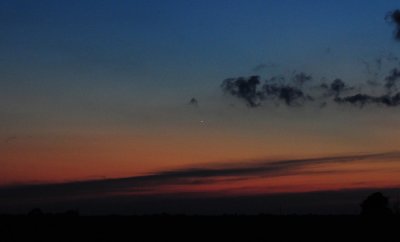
{"x":100,"y":89}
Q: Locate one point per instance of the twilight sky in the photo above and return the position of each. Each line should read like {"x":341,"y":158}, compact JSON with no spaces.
{"x":100,"y":89}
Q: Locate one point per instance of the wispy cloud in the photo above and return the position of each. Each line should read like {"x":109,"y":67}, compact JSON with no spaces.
{"x":212,"y":174}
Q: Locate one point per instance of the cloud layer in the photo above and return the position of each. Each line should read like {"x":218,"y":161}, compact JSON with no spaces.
{"x":212,"y":174}
{"x":154,"y":187}
{"x":301,"y":90}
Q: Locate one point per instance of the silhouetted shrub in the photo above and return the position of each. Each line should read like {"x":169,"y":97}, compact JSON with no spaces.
{"x":36,"y":212}
{"x":376,"y":204}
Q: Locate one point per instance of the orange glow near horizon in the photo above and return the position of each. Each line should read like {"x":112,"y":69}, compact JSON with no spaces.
{"x":68,"y":159}
{"x":60,"y":159}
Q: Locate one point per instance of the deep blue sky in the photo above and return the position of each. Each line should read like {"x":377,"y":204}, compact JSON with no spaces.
{"x":182,"y":46}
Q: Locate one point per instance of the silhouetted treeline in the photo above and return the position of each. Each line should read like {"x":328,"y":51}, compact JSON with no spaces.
{"x":376,"y":204}
{"x":37,"y":212}
{"x":200,"y":228}
{"x":376,"y":222}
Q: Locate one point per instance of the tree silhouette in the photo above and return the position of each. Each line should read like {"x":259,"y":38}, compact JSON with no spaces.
{"x":376,"y":204}
{"x":36,"y":212}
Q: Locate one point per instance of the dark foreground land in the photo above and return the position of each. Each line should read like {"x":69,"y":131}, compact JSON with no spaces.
{"x":199,"y":228}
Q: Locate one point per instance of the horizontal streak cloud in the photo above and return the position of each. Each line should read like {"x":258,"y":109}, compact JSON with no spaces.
{"x":190,"y":176}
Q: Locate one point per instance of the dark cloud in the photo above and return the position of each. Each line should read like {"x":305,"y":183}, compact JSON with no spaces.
{"x":294,"y":93}
{"x":394,"y":18}
{"x":253,"y":94}
{"x":363,"y":99}
{"x":359,"y":99}
{"x":392,"y":79}
{"x":289,"y":95}
{"x":337,"y":87}
{"x":194,"y":102}
{"x":301,"y":78}
{"x":245,"y":89}
{"x":375,"y":67}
